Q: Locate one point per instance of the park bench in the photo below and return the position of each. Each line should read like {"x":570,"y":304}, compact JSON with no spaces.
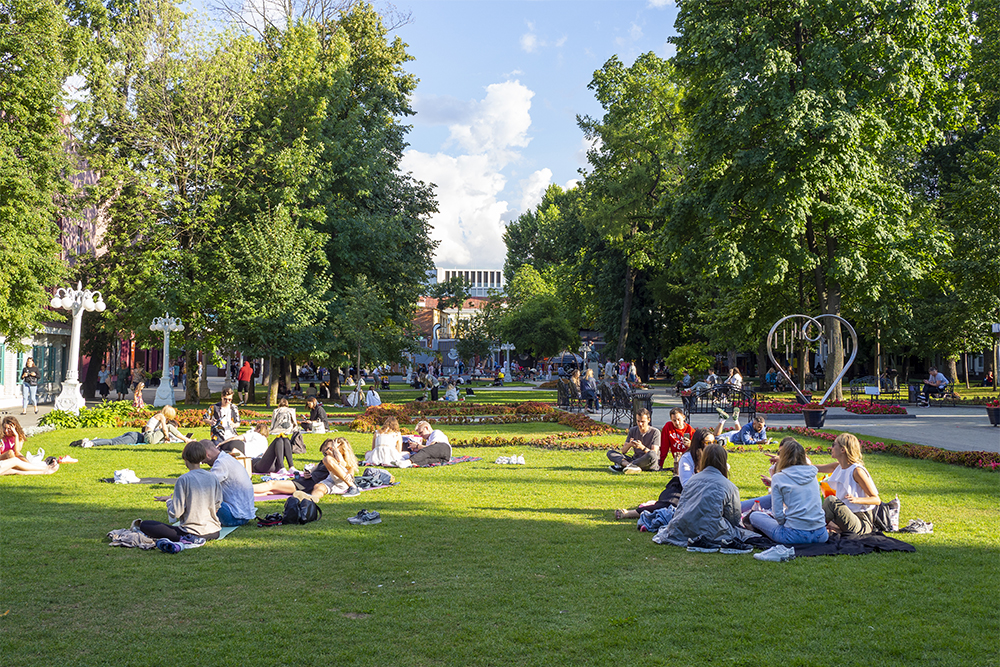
{"x":568,"y":396}
{"x":885,"y":390}
{"x":616,"y":401}
{"x":706,"y":400}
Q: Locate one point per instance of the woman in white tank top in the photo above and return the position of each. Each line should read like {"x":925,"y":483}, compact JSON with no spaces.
{"x":856,"y":496}
{"x":387,"y":446}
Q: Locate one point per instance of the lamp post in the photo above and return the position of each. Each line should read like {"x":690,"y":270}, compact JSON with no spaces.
{"x":77,"y":300}
{"x":507,"y":347}
{"x":166,"y":324}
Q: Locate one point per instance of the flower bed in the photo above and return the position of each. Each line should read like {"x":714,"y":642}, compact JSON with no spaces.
{"x":985,"y":460}
{"x":408,"y":414}
{"x":857,"y":407}
{"x":122,"y":414}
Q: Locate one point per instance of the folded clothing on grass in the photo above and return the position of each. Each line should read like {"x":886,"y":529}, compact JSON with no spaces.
{"x":841,"y":545}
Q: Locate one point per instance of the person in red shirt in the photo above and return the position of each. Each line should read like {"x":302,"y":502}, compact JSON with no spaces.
{"x":244,"y":377}
{"x":675,"y":436}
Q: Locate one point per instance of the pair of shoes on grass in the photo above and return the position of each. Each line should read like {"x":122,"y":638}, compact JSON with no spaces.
{"x":777,"y":554}
{"x":703,"y":545}
{"x":365,"y":518}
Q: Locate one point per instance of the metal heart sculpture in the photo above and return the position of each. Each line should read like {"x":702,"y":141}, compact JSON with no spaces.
{"x":821,"y":333}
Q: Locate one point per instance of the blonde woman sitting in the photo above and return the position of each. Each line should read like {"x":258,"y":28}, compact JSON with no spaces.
{"x":335,"y":474}
{"x":387,"y":446}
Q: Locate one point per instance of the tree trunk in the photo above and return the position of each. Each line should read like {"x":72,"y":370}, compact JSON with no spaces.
{"x":265,"y":379}
{"x":835,"y":362}
{"x":272,"y":393}
{"x":626,"y":311}
{"x":731,"y":358}
{"x":252,"y":396}
{"x":203,"y":390}
{"x":952,"y":371}
{"x":191,"y":372}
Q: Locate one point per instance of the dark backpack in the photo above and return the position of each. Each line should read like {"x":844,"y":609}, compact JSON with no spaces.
{"x":301,"y":511}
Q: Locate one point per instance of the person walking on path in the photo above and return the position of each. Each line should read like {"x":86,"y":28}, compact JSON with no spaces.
{"x":244,"y":377}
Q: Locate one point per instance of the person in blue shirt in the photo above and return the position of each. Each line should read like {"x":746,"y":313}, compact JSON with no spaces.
{"x":754,"y":432}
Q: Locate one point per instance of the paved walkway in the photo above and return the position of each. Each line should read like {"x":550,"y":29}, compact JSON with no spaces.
{"x":957,"y":429}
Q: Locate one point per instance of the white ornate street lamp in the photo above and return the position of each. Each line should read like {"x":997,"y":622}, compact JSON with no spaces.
{"x":585,"y":349}
{"x":166,"y":324}
{"x":77,"y":300}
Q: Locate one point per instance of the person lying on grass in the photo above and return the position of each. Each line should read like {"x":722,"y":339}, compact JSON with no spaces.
{"x":195,"y":501}
{"x":335,"y":474}
{"x":795,"y":499}
{"x":644,"y":443}
{"x":265,"y":458}
{"x":675,"y":436}
{"x":433,"y":446}
{"x":709,"y":506}
{"x":687,"y":467}
{"x":850,"y":510}
{"x":753,"y":433}
{"x":161,"y":428}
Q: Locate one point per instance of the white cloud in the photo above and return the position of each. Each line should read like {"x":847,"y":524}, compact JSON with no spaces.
{"x":497,"y":123}
{"x":468,"y":222}
{"x":635,"y":32}
{"x":561,"y":40}
{"x":533,"y":187}
{"x":660,"y":4}
{"x":529,"y":42}
{"x":471,"y":211}
{"x":571,"y":183}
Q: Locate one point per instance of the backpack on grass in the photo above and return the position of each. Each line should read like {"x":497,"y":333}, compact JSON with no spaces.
{"x":301,"y":511}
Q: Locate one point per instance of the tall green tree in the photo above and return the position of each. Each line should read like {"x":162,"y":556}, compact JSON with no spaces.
{"x":635,"y":164}
{"x":806,"y":116}
{"x":34,"y":63}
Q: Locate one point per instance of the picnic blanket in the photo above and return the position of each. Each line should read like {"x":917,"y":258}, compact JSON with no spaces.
{"x":841,"y":545}
{"x":225,"y":530}
{"x":453,"y":461}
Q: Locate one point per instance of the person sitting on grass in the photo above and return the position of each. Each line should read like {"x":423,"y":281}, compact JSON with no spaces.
{"x":451,"y":393}
{"x":796,"y":500}
{"x":12,"y":461}
{"x":317,"y":417}
{"x":675,"y":436}
{"x":708,"y":511}
{"x":687,"y":467}
{"x":850,"y":510}
{"x":224,"y":417}
{"x":194,"y":503}
{"x":372,"y":397}
{"x":644,"y":442}
{"x":387,"y":446}
{"x":334,"y":474}
{"x":754,"y":432}
{"x":433,"y":446}
{"x":160,"y":428}
{"x":237,"y":490}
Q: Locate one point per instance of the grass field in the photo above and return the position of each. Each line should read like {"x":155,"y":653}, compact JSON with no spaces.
{"x":479,"y":564}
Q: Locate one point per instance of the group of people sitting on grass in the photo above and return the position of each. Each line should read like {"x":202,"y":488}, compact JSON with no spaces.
{"x":701,"y":508}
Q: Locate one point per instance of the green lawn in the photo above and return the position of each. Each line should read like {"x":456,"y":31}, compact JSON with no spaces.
{"x":479,"y":564}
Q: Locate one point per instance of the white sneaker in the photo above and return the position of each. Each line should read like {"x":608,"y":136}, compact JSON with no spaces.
{"x":777,"y":554}
{"x":632,"y":470}
{"x":502,"y":460}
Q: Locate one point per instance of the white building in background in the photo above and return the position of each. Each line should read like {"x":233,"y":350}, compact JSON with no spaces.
{"x":480,"y":282}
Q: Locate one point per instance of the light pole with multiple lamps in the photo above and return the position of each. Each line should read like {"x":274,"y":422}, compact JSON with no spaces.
{"x":166,"y":324}
{"x":77,"y":300}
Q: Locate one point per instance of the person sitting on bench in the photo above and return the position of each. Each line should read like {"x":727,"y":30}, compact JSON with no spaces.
{"x":934,"y":384}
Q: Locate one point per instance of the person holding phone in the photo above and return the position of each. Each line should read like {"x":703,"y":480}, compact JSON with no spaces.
{"x":644,"y":443}
{"x":29,"y":385}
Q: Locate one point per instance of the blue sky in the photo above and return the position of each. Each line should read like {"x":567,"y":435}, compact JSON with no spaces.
{"x":501,"y":84}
